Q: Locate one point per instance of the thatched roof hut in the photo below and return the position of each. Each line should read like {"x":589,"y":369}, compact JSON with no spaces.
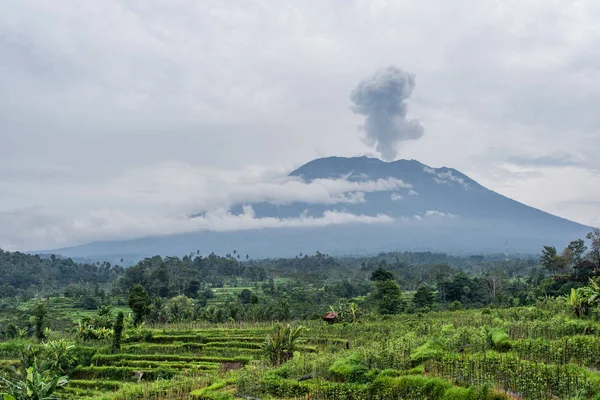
{"x":330,"y":317}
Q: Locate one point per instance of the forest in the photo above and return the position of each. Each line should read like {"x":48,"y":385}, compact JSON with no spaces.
{"x":402,"y":325}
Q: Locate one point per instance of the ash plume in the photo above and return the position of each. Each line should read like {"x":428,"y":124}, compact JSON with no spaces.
{"x":381,"y":98}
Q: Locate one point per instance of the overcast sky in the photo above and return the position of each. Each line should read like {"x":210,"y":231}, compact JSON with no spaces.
{"x":116,"y":116}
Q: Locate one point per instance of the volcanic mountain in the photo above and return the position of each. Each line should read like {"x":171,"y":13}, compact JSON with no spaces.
{"x":433,"y":209}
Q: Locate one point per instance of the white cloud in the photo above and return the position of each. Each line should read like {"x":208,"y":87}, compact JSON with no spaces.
{"x":396,"y":197}
{"x":446,"y":177}
{"x":116,"y":224}
{"x":159,"y":200}
{"x":438,"y":214}
{"x":412,"y":192}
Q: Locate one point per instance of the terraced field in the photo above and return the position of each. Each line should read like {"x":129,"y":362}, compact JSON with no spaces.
{"x":491,"y":354}
{"x":189,"y":359}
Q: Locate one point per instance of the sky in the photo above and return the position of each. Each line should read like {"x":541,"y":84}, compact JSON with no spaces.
{"x":120,"y":118}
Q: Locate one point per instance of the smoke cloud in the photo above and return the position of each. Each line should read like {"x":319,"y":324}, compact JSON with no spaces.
{"x":381,"y":98}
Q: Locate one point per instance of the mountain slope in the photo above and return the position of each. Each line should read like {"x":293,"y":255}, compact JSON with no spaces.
{"x":433,"y":209}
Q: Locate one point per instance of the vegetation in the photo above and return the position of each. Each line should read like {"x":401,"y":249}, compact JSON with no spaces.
{"x":407,"y":325}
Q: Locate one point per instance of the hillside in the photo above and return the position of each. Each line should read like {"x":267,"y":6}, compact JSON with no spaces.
{"x":432,"y":209}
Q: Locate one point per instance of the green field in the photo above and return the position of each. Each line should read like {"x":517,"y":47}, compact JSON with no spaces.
{"x":528,"y":352}
{"x":405,"y":326}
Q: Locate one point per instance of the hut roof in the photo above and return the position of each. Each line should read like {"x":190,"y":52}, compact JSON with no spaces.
{"x":330,"y":315}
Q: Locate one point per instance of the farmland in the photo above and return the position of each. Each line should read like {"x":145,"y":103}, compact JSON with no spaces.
{"x":402,"y":326}
{"x":537,"y":352}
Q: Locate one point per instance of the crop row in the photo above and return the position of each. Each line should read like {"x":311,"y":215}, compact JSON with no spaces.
{"x":529,"y":379}
{"x":107,"y":359}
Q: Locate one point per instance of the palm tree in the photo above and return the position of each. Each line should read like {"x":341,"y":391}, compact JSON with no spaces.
{"x":550,"y":258}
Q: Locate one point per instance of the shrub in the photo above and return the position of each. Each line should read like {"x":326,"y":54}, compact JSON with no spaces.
{"x":280,"y":346}
{"x":499,"y":339}
{"x":455,"y":306}
{"x":430,"y":350}
{"x":349,"y":369}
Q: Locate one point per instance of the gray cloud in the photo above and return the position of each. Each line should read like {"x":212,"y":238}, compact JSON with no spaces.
{"x":553,"y":160}
{"x":93,"y":93}
{"x":381,"y":98}
{"x":124,"y":225}
{"x":159,"y":199}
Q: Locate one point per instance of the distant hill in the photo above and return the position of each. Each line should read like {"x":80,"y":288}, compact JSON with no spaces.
{"x":438,"y":209}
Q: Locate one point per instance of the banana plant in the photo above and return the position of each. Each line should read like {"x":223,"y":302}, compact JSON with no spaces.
{"x":59,"y":355}
{"x":280,"y":346}
{"x":593,"y":292}
{"x":577,"y":300}
{"x":34,"y":385}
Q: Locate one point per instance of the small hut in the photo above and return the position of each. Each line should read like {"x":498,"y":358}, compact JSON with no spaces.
{"x":330,"y":317}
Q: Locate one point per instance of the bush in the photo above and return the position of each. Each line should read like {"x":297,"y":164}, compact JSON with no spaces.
{"x":500,"y":339}
{"x":430,"y":350}
{"x":349,"y":369}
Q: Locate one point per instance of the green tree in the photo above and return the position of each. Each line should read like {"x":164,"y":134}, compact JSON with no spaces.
{"x":381,"y":274}
{"x":594,"y":253}
{"x":551,"y":260}
{"x":576,"y":250}
{"x":118,"y":332}
{"x":424,"y":297}
{"x":245,"y":296}
{"x":181,"y":308}
{"x":39,"y":314}
{"x":139,"y":302}
{"x":389,"y":297}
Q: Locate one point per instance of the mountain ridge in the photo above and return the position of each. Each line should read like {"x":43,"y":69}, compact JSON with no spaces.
{"x":438,"y":209}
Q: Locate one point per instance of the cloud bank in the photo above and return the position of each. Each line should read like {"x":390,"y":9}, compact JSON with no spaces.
{"x":160,"y":200}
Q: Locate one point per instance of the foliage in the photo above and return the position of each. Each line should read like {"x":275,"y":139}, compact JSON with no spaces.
{"x":280,"y":345}
{"x":577,"y":301}
{"x":499,"y":339}
{"x":35,"y":385}
{"x":431,"y":349}
{"x":380,"y":275}
{"x":139,"y":302}
{"x":349,"y":369}
{"x":117,"y":332}
{"x":59,"y":356}
{"x":389,"y":297}
{"x":39,"y":314}
{"x":424,"y":297}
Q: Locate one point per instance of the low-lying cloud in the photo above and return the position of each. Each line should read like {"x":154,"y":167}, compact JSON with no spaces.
{"x":446,"y":177}
{"x":160,"y":199}
{"x":434,"y":214}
